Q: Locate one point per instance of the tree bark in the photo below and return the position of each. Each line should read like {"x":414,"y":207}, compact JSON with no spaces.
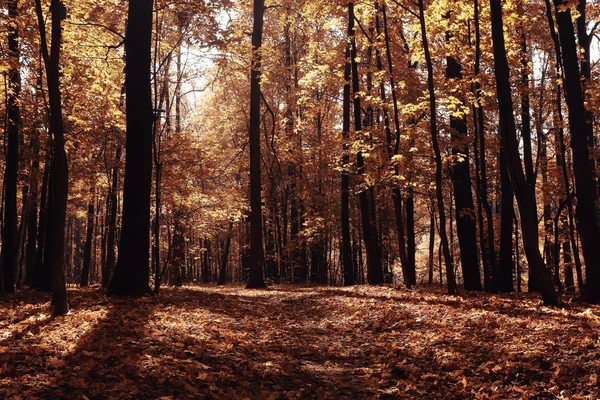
{"x":255,"y":279}
{"x":59,"y":178}
{"x":585,"y":176}
{"x":132,"y":269}
{"x":10,"y":235}
{"x":463,"y":198}
{"x":87,"y":252}
{"x":452,"y":289}
{"x":369,"y":228}
{"x":347,"y":261}
{"x":223,"y":266}
{"x":523,"y":191}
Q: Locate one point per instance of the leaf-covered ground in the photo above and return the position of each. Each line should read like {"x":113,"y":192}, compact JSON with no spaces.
{"x":292,"y":343}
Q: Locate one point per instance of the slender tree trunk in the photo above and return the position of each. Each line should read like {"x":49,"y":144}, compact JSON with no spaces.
{"x":463,"y":198}
{"x":431,"y":241}
{"x":452,"y":289}
{"x":523,"y":191}
{"x":347,"y":262}
{"x":59,"y":179}
{"x":561,"y":153}
{"x":255,"y":279}
{"x":223,"y":266}
{"x":112,"y":222}
{"x":32,"y":214}
{"x":585,"y":175}
{"x":43,"y":275}
{"x":369,"y":228}
{"x":406,"y":260}
{"x":503,"y":280}
{"x":487,"y":238}
{"x":10,"y":236}
{"x":87,"y":252}
{"x":532,"y":283}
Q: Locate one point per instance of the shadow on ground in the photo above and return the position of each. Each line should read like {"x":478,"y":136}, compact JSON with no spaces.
{"x":292,"y":343}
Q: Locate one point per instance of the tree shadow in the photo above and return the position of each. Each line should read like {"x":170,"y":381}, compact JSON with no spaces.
{"x":101,"y":363}
{"x":313,"y":343}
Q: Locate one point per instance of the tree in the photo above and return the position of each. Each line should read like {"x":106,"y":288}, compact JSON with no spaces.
{"x":9,"y":237}
{"x":438,"y":156}
{"x":585,"y":177}
{"x":347,"y":262}
{"x":255,"y":279}
{"x":87,"y":252}
{"x":523,"y":191}
{"x":132,"y":269}
{"x":369,"y":226}
{"x":59,"y":178}
{"x":463,"y":199}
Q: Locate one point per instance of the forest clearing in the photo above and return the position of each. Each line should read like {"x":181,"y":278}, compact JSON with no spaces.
{"x":290,"y":342}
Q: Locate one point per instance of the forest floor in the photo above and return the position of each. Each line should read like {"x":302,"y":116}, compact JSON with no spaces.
{"x":291,"y":342}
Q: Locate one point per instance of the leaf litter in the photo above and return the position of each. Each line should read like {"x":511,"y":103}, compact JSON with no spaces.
{"x":290,"y":342}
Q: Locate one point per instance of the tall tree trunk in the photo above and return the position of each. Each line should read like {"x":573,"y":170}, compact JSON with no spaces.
{"x":10,"y":236}
{"x":559,"y":139}
{"x":463,"y":199}
{"x":255,"y":279}
{"x":523,"y":191}
{"x":585,"y":176}
{"x":406,"y":260}
{"x":369,"y":228}
{"x":532,"y":284}
{"x":452,"y":289}
{"x":132,"y":269}
{"x":487,"y":239}
{"x":347,"y":261}
{"x":59,"y":179}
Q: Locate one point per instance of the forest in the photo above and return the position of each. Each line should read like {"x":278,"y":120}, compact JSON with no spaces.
{"x":284,"y":199}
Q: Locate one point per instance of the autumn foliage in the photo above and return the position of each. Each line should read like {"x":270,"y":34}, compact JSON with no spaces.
{"x":304,"y":148}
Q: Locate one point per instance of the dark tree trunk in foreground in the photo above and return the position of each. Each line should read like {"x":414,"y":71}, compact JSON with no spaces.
{"x":132,"y":270}
{"x":463,"y":198}
{"x":523,"y":191}
{"x":438,"y":157}
{"x":585,"y":177}
{"x":347,"y":262}
{"x":255,"y":279}
{"x":87,"y":251}
{"x":59,"y":179}
{"x":10,"y":234}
